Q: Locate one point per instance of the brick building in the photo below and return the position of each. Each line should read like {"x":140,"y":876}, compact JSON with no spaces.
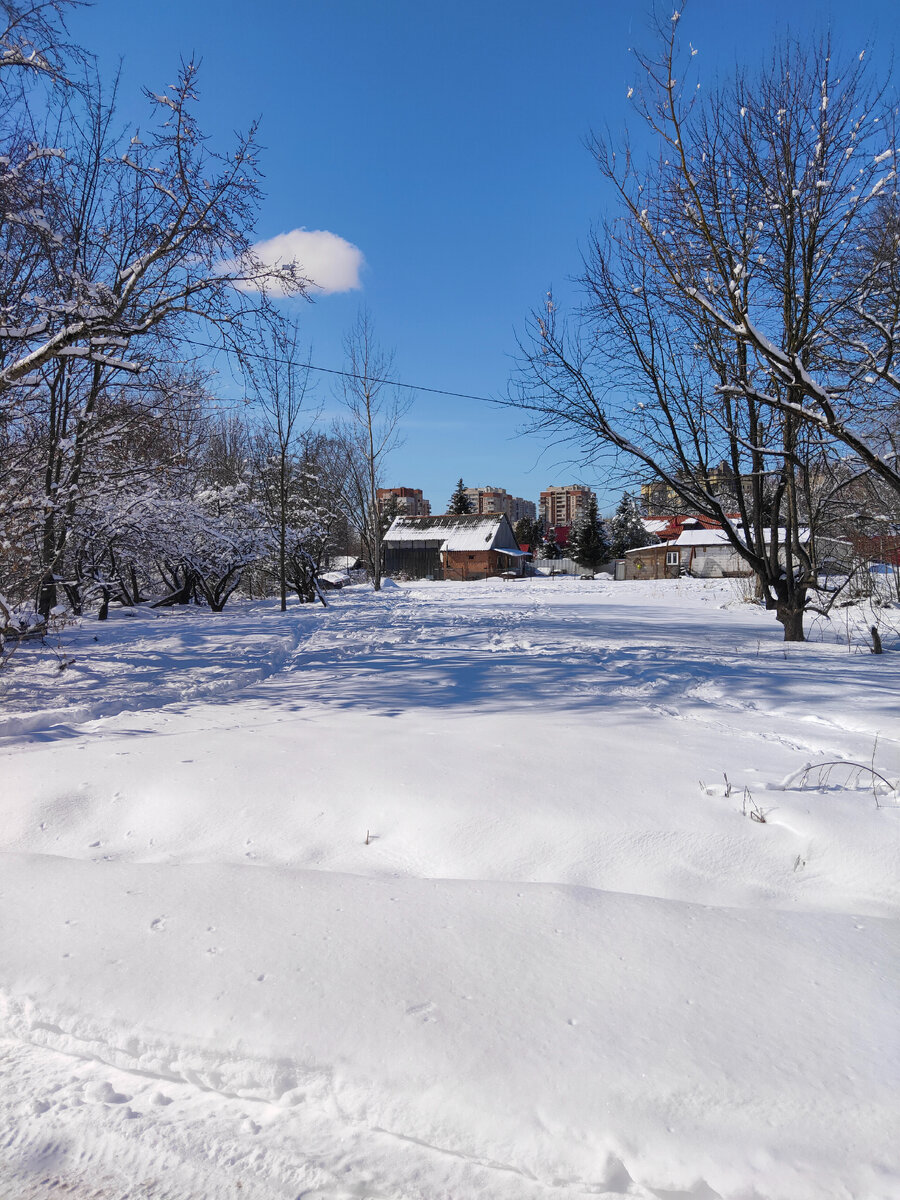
{"x":409,"y":501}
{"x":658,"y":497}
{"x":488,"y":499}
{"x":561,"y":505}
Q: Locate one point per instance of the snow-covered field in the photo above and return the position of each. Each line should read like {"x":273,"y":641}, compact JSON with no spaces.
{"x":449,"y":892}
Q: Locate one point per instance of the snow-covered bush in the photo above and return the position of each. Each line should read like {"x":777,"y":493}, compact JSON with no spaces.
{"x":204,"y":543}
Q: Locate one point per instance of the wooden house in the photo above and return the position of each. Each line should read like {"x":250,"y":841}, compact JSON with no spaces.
{"x":700,"y":551}
{"x":464,"y":546}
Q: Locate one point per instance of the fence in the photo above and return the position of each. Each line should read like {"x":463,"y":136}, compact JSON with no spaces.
{"x":567,"y":566}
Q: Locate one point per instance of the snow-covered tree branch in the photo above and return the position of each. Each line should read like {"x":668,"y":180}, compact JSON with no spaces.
{"x":713,"y":349}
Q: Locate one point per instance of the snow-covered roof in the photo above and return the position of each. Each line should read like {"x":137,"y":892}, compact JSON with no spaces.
{"x":700,"y":537}
{"x":688,"y":537}
{"x":668,"y":527}
{"x":710,"y":537}
{"x":469,"y":531}
{"x":718,"y":537}
{"x":512,"y":553}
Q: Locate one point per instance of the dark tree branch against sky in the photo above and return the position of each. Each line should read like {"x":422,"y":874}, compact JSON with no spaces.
{"x":435,"y":158}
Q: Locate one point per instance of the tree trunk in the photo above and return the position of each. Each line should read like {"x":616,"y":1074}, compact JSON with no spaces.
{"x":48,"y":595}
{"x":73,"y":595}
{"x":791,"y":617}
{"x":282,"y":529}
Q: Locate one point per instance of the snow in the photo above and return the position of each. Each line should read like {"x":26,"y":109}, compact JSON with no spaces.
{"x":655,"y":524}
{"x":701,"y":537}
{"x":452,"y":532}
{"x":452,"y":891}
{"x":477,"y":537}
{"x":718,"y":537}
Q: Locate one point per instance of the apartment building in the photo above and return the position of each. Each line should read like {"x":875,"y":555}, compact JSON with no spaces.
{"x":657,"y":497}
{"x":486,"y":500}
{"x":561,"y":505}
{"x":409,"y":502}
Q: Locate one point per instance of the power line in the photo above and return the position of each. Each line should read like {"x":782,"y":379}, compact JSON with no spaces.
{"x":415,"y":387}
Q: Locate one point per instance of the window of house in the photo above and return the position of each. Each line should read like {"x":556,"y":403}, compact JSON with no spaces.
{"x":471,"y":557}
{"x":673,"y":558}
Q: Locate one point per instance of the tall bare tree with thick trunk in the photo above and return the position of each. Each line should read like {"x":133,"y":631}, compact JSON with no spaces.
{"x":715,"y":294}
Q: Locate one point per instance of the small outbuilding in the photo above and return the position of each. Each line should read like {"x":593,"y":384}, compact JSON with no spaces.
{"x":453,"y":546}
{"x":697,"y":550}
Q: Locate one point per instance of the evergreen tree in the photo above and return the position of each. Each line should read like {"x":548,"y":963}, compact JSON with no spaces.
{"x":549,"y":547}
{"x":389,"y":512}
{"x":529,"y":532}
{"x":588,"y":540}
{"x":460,"y":504}
{"x":627,"y":528}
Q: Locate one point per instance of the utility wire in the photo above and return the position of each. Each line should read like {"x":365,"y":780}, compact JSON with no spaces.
{"x":416,"y":387}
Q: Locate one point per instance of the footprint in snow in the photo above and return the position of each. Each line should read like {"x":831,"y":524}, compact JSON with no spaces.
{"x":158,"y":924}
{"x":425,"y":1011}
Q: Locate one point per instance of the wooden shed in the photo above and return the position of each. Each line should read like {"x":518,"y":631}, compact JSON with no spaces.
{"x":453,"y":546}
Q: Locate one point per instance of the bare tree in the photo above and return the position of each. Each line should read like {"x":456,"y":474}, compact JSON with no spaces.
{"x":153,"y":234}
{"x":374,"y":408}
{"x":278,"y":385}
{"x":714,"y":295}
{"x":32,"y":41}
{"x":116,"y":254}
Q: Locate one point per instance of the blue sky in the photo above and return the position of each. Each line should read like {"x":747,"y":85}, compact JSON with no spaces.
{"x":446,"y":142}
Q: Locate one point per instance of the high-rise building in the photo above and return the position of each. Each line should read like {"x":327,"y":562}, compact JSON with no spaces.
{"x":409,"y":502}
{"x":561,"y":505}
{"x":490,"y":499}
{"x":658,"y":498}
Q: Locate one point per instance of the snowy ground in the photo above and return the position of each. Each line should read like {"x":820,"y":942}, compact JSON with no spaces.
{"x":564,"y":962}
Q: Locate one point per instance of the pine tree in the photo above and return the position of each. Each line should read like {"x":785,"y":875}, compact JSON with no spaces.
{"x":389,"y":513}
{"x":460,"y":504}
{"x":529,"y":532}
{"x":549,"y":547}
{"x":627,"y":528}
{"x":588,"y":540}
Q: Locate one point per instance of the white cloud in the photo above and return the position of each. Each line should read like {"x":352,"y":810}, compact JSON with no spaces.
{"x":330,"y":263}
